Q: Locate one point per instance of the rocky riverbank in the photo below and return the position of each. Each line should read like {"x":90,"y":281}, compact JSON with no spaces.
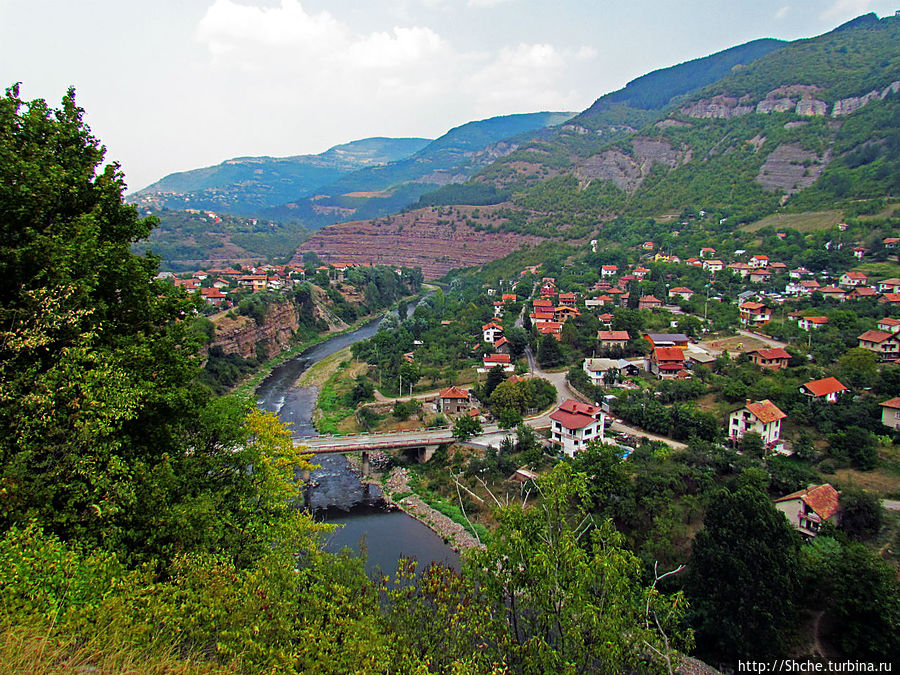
{"x":398,"y":494}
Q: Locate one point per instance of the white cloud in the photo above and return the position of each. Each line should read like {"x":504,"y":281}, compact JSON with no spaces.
{"x":484,"y":3}
{"x":781,"y":13}
{"x":846,"y":9}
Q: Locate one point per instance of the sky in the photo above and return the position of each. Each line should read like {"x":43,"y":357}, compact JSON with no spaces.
{"x":172,"y":85}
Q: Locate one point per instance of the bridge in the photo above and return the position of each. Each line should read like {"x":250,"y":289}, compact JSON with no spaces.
{"x":426,"y":441}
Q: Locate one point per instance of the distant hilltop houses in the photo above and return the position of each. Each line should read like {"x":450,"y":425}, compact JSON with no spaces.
{"x":218,"y":285}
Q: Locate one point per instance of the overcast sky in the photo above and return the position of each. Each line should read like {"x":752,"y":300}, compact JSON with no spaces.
{"x":171,"y":85}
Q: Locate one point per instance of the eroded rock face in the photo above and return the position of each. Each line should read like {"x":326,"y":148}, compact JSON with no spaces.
{"x":722,"y":107}
{"x":811,"y":107}
{"x":437,"y":240}
{"x":242,"y":334}
{"x":791,"y":168}
{"x":771,"y":105}
{"x":627,"y":172}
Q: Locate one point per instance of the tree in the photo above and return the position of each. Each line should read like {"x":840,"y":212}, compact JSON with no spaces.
{"x":857,"y":368}
{"x":495,"y":377}
{"x":509,"y":418}
{"x":465,"y":427}
{"x":752,"y":444}
{"x":742,"y":577}
{"x":569,"y":595}
{"x":549,"y":354}
{"x":856,"y":445}
{"x":860,"y":515}
{"x":518,"y":341}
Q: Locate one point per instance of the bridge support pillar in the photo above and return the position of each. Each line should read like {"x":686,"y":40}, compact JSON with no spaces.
{"x":365,"y":464}
{"x":426,"y":453}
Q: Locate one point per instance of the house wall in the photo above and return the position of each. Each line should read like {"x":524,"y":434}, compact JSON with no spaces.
{"x":890,"y":417}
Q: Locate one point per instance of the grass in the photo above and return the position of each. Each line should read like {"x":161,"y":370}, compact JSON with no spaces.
{"x":879,"y":270}
{"x":25,"y":649}
{"x":452,"y":511}
{"x":884,"y":480}
{"x":802,"y":222}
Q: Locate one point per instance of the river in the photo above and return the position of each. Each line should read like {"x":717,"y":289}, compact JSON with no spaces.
{"x":337,"y":495}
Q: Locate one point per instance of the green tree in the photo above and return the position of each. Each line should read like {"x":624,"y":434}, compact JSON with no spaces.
{"x":742,"y":577}
{"x":518,"y":341}
{"x":860,"y":516}
{"x":465,"y":427}
{"x":549,"y":354}
{"x":571,"y":597}
{"x":857,"y":368}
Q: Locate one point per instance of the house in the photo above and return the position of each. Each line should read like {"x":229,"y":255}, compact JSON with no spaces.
{"x":886,"y":345}
{"x":762,"y":417}
{"x":807,"y":509}
{"x":453,"y":400}
{"x":889,"y":325}
{"x":890,"y":299}
{"x":492,"y":332}
{"x":890,"y":413}
{"x":640,"y":272}
{"x":609,"y":271}
{"x":498,"y":309}
{"x":798,"y":272}
{"x":778,"y":267}
{"x":501,"y":346}
{"x":599,"y":301}
{"x":891,"y":242}
{"x":537,"y":318}
{"x":648,"y":246}
{"x":808,"y":323}
{"x":891,"y":285}
{"x":213,"y":296}
{"x":833,"y":292}
{"x":741,"y":268}
{"x":707,"y":252}
{"x":858,"y":252}
{"x":605,"y":319}
{"x":491,"y":360}
{"x":596,"y":369}
{"x":649,"y":302}
{"x":563,"y":314}
{"x":666,"y":362}
{"x":851,"y":279}
{"x":566,"y":299}
{"x":713,"y":266}
{"x":823,"y":390}
{"x":679,"y":340}
{"x":771,"y":359}
{"x":612,"y":338}
{"x":575,"y":424}
{"x":754,"y":313}
{"x":508,"y":297}
{"x":761,"y":275}
{"x":759,"y":261}
{"x":861,"y":293}
{"x":553,"y":328}
{"x":680,"y":292}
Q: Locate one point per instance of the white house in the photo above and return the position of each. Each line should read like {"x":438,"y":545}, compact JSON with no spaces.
{"x":809,"y":323}
{"x":763,"y":417}
{"x":492,"y":332}
{"x":575,"y":424}
{"x":491,"y":360}
{"x":807,"y":509}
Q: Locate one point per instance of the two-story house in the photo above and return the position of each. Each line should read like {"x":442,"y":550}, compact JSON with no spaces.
{"x":886,"y":345}
{"x":807,"y":509}
{"x":575,"y":424}
{"x":762,"y":417}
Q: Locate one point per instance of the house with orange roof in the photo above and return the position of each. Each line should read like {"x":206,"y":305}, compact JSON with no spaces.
{"x":213,"y":296}
{"x":862,"y":293}
{"x":648,"y":246}
{"x":741,"y":268}
{"x":762,"y":417}
{"x":491,"y":332}
{"x":605,"y":319}
{"x":770,"y":359}
{"x":575,"y":424}
{"x":453,"y":400}
{"x":891,"y":285}
{"x":501,"y":346}
{"x":890,"y":413}
{"x":609,"y":271}
{"x":599,"y":301}
{"x":823,"y":390}
{"x":809,"y":323}
{"x":537,"y":318}
{"x":542,"y":305}
{"x":640,"y":272}
{"x":680,"y":292}
{"x":566,"y":299}
{"x":754,"y":313}
{"x":807,"y":509}
{"x":759,"y":261}
{"x":649,"y":302}
{"x":491,"y":360}
{"x":707,"y":252}
{"x":563,"y":313}
{"x":760,"y":275}
{"x":713,"y":266}
{"x":612,"y":338}
{"x":851,"y":279}
{"x":889,"y":325}
{"x":553,"y":328}
{"x":509,"y":297}
{"x":891,"y":242}
{"x":886,"y":345}
{"x":890,"y":299}
{"x":666,"y":362}
{"x":833,"y":292}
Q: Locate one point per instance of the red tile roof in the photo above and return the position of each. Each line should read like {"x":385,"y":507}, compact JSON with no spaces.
{"x":892,"y":403}
{"x":774,"y":353}
{"x":765,"y":411}
{"x":876,"y":336}
{"x":830,"y":385}
{"x":572,"y":421}
{"x":454,"y":392}
{"x":823,"y":499}
{"x":570,"y":405}
{"x":613,"y":335}
{"x":668,"y":354}
{"x":497,"y":358}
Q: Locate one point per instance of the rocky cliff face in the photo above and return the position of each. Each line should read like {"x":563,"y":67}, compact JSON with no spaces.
{"x":629,"y":171}
{"x":437,"y":240}
{"x":241,"y":335}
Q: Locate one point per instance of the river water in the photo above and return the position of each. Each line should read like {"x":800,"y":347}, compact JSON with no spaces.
{"x":336,"y":494}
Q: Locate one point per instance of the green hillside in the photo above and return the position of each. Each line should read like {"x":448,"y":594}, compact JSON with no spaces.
{"x":245,"y":185}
